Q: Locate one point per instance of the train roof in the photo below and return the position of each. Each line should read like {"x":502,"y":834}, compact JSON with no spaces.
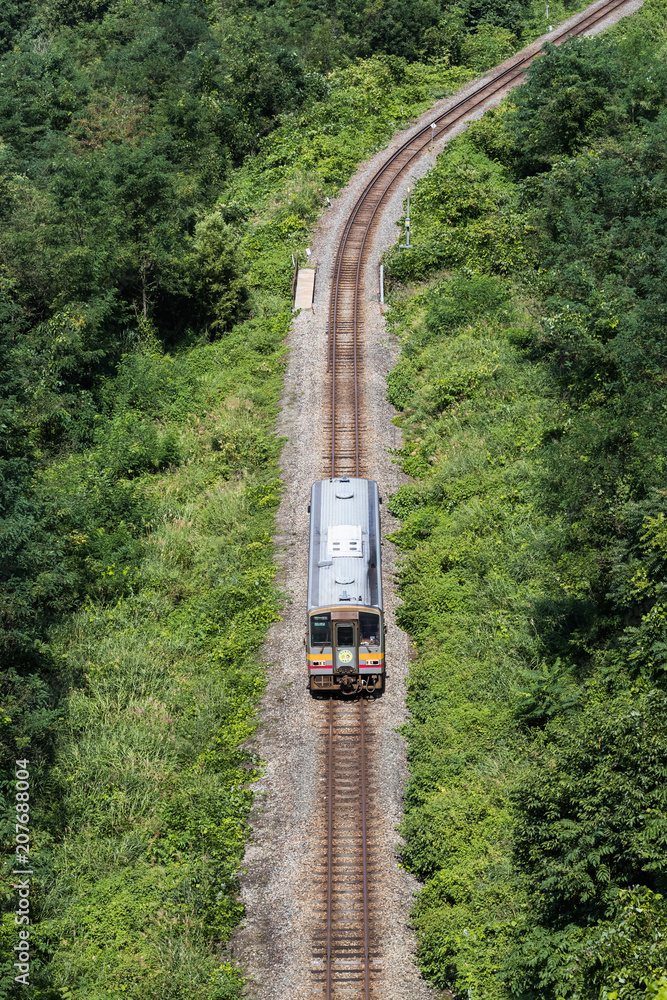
{"x":344,"y":565}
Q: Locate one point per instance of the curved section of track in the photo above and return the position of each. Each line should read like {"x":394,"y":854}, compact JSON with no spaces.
{"x":345,"y":346}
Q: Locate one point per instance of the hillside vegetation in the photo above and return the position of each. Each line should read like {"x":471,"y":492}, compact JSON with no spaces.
{"x":159,"y":164}
{"x":532,"y":390}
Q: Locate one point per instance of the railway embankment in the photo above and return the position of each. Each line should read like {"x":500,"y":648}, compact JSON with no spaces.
{"x":280,"y":888}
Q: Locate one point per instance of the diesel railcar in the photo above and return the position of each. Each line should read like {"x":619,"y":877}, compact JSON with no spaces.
{"x":345,"y":629}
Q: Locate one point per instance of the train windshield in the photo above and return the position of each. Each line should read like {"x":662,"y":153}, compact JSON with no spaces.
{"x":369,"y":627}
{"x":345,"y":635}
{"x":320,"y":629}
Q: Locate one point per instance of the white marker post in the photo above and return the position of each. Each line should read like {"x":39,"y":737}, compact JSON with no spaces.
{"x":407,"y":223}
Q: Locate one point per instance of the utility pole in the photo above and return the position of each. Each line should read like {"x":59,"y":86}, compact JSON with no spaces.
{"x":407,"y":223}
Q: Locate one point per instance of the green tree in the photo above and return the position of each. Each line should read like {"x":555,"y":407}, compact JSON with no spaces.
{"x":569,"y":96}
{"x":148,"y":224}
{"x":219,"y":290}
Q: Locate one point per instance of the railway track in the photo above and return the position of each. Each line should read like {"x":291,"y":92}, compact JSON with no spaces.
{"x":346,"y":952}
{"x":346,"y":419}
{"x":345,"y":944}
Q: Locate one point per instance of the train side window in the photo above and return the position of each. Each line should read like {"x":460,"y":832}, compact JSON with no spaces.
{"x":320,"y":629}
{"x":369,"y":627}
{"x":345,"y":635}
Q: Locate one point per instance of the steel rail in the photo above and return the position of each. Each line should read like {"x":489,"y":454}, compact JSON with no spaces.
{"x":482,"y":94}
{"x":362,"y":754}
{"x":330,"y":849}
{"x":333,"y":380}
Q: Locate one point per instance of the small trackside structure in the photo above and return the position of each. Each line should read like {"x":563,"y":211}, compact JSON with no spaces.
{"x":345,"y":626}
{"x":305,"y":288}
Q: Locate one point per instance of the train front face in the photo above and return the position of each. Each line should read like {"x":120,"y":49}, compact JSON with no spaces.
{"x":346,"y":649}
{"x":345,"y":628}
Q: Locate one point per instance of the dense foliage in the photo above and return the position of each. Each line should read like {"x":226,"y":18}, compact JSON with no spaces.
{"x":160,"y":161}
{"x":532,"y":390}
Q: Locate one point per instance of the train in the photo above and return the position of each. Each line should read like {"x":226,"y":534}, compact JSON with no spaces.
{"x":345,"y":632}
